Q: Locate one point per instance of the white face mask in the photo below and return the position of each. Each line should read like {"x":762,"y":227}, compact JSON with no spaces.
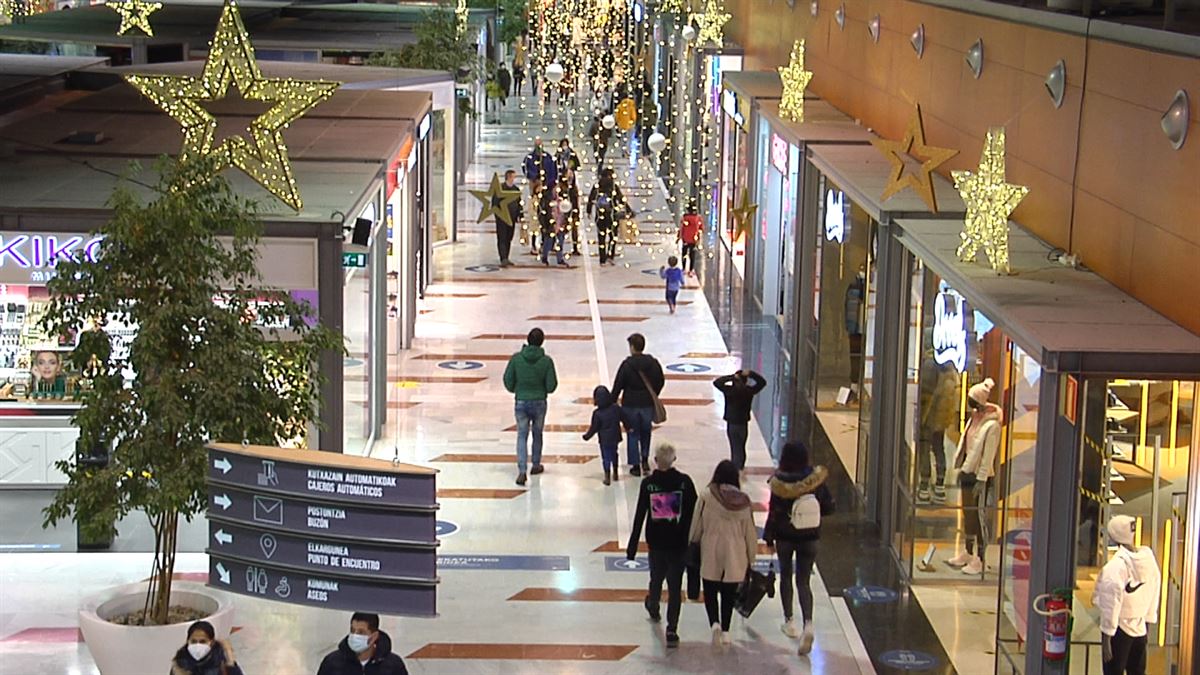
{"x":358,"y":643}
{"x":199,"y":650}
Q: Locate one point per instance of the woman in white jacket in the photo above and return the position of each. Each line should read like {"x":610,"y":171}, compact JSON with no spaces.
{"x":723,"y":524}
{"x":976,"y":456}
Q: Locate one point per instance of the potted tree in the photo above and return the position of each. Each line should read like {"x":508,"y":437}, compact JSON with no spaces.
{"x":207,"y":354}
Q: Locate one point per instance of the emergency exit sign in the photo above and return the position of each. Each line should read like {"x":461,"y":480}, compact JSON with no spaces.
{"x":354,"y":259}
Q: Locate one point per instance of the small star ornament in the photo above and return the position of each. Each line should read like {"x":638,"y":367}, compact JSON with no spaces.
{"x":495,"y":201}
{"x":262,"y":154}
{"x":742,"y":217}
{"x":710,"y":25}
{"x":913,"y":145}
{"x":795,"y":81}
{"x":135,"y":14}
{"x":990,"y":200}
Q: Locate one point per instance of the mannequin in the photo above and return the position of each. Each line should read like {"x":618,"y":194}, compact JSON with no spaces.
{"x":1127,"y":595}
{"x":855,"y":301}
{"x":974,"y":461}
{"x":938,"y":386}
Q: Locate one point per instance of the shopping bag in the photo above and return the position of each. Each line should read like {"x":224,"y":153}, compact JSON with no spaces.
{"x":753,"y":589}
{"x":660,"y":410}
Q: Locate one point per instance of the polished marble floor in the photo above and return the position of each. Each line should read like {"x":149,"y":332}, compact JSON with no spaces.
{"x":585,"y":619}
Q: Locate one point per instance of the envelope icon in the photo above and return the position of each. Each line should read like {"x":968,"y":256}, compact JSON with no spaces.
{"x":268,"y":510}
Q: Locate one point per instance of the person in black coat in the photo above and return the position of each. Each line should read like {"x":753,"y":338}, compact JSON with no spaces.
{"x":365,"y":651}
{"x":516,"y":211}
{"x":739,"y":390}
{"x":640,"y":379}
{"x":606,"y":423}
{"x":204,"y":654}
{"x":504,"y":79}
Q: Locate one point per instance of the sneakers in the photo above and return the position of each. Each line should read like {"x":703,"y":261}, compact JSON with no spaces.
{"x":726,"y":639}
{"x":939,"y":493}
{"x":923,"y":494}
{"x":652,"y":610}
{"x":806,"y":639}
{"x":521,"y":479}
{"x":607,"y":480}
{"x":672,"y":639}
{"x":716,"y":632}
{"x":646,"y":468}
{"x":960,"y":559}
{"x":974,"y":567}
{"x":789,"y":628}
{"x":635,"y":470}
{"x":537,"y":468}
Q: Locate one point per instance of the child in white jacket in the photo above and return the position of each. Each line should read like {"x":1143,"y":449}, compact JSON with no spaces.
{"x":1127,"y":595}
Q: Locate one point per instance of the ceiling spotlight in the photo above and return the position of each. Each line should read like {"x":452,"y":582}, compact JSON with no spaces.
{"x":975,"y":57}
{"x":812,"y":8}
{"x":840,"y":16}
{"x":1056,"y":83}
{"x":1175,"y":120}
{"x":918,"y":40}
{"x":873,"y":28}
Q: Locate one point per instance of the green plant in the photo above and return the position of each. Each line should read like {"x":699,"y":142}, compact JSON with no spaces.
{"x":439,"y":46}
{"x":216,"y":357}
{"x":514,"y":19}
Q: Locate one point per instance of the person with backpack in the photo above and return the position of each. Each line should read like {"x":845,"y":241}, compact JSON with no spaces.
{"x":605,"y":203}
{"x":723,"y":525}
{"x":799,"y":499}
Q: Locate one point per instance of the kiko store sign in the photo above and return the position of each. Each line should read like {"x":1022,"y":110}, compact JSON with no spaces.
{"x":33,"y":258}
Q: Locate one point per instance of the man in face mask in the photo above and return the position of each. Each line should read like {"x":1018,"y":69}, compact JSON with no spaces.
{"x":365,"y":651}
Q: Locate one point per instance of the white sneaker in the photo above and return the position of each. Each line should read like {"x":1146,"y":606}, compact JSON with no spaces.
{"x":716,"y":631}
{"x":960,"y":559}
{"x":726,"y":639}
{"x":806,"y":639}
{"x":974,"y":567}
{"x":789,"y":628}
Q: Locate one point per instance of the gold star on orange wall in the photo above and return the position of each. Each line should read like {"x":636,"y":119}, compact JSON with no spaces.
{"x":264,"y":156}
{"x":795,"y":80}
{"x":742,"y":217}
{"x":913,"y":145}
{"x":488,"y":198}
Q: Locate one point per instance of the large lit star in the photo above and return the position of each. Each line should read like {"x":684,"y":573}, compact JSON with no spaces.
{"x":263,"y":156}
{"x":742,"y":217}
{"x":495,"y":201}
{"x":135,"y":14}
{"x":795,"y":81}
{"x":710,"y":26}
{"x":913,"y":145}
{"x":990,"y":200}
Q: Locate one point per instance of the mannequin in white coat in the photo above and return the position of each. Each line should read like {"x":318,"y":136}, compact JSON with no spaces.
{"x":1127,"y":595}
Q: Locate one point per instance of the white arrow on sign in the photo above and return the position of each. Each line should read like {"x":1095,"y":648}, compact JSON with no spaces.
{"x":223,"y":537}
{"x":690,"y":368}
{"x":223,"y":573}
{"x":223,"y":501}
{"x":222,"y":464}
{"x":629,"y":564}
{"x":460,"y":365}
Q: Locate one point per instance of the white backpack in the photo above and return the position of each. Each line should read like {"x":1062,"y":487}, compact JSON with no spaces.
{"x":806,"y":512}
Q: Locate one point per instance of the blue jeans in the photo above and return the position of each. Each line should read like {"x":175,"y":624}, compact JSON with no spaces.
{"x":529,"y":414}
{"x":640,"y":421}
{"x":555,"y":242}
{"x":608,"y":455}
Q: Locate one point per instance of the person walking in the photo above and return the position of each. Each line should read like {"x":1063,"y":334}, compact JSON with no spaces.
{"x":606,"y":422}
{"x":600,"y":136}
{"x":573,"y":195}
{"x":666,"y":502}
{"x":505,"y":231}
{"x":799,"y":499}
{"x":531,"y":378}
{"x":739,"y":390}
{"x":723,"y":525}
{"x":674,"y":278}
{"x":365,"y":650}
{"x":690,"y":230}
{"x":605,"y":203}
{"x":539,"y":168}
{"x":204,"y":654}
{"x":519,"y":62}
{"x":555,"y":218}
{"x":504,"y":79}
{"x":640,"y":379}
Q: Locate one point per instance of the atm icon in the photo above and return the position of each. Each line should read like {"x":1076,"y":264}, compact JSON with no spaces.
{"x":268,"y":510}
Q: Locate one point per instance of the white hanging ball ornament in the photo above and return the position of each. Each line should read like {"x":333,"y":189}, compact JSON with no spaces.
{"x":657,"y":142}
{"x":608,"y":121}
{"x":554,"y":73}
{"x":688,"y":33}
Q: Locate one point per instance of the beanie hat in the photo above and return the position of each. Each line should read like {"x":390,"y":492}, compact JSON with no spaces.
{"x":1121,"y":528}
{"x":664,"y":456}
{"x":981,"y":392}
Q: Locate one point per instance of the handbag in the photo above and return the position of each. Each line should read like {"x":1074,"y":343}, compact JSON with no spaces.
{"x":753,"y":589}
{"x":660,"y":410}
{"x":691,"y":562}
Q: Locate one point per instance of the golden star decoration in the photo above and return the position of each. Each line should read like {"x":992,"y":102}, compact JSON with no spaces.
{"x":990,"y":200}
{"x":742,"y":217}
{"x":135,"y":14}
{"x":264,"y":155}
{"x":913,"y":145}
{"x":795,"y":81}
{"x":495,"y":201}
{"x":710,"y":26}
{"x":671,"y":6}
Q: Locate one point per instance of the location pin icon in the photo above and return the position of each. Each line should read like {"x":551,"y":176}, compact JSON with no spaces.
{"x":267,"y":544}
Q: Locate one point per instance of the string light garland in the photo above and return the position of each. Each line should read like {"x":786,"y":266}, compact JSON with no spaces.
{"x":711,"y":23}
{"x":496,"y":201}
{"x":135,"y":14}
{"x":671,"y":6}
{"x":990,"y":200}
{"x":264,"y":156}
{"x":913,"y":145}
{"x":795,"y":81}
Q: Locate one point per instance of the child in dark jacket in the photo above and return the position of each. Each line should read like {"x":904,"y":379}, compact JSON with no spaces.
{"x":606,"y":423}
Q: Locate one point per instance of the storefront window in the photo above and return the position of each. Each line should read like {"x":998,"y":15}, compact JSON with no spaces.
{"x":439,"y":155}
{"x":356,"y":299}
{"x":734,"y":170}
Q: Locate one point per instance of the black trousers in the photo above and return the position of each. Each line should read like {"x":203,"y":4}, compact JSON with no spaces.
{"x":504,"y":237}
{"x":666,"y":564}
{"x":606,"y":236}
{"x":974,"y":528}
{"x":689,"y":257}
{"x":796,"y":557}
{"x":719,"y":600}
{"x":737,"y":432}
{"x":1129,"y":655}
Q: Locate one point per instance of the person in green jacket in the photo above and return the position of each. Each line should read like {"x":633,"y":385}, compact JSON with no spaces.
{"x":530,"y":376}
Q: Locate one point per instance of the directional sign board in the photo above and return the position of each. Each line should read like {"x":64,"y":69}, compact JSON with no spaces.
{"x":350,"y":260}
{"x":482,"y":268}
{"x":619,"y":563}
{"x":320,"y":529}
{"x":907,"y":659}
{"x":688,"y":368}
{"x":870,"y":594}
{"x":460,"y":365}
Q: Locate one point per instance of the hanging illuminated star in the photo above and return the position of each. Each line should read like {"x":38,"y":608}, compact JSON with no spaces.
{"x":742,"y":217}
{"x":496,"y":200}
{"x":710,"y":26}
{"x":670,"y":6}
{"x":135,"y":14}
{"x":795,"y":81}
{"x":913,"y":145}
{"x":263,"y":156}
{"x":990,"y":200}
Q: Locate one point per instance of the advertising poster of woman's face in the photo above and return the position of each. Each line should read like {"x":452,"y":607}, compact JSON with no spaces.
{"x":47,"y":365}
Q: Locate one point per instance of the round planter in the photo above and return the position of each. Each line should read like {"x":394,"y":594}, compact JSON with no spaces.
{"x":132,"y":650}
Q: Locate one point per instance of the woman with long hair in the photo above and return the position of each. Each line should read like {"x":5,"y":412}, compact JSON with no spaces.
{"x":723,"y":525}
{"x":204,"y":654}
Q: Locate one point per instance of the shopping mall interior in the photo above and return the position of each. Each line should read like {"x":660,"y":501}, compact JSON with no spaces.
{"x":275,"y":274}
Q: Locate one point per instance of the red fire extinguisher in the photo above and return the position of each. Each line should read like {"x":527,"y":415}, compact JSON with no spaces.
{"x":1057,"y":612}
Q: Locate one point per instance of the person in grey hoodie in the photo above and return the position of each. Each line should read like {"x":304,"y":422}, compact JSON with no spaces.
{"x":795,"y":542}
{"x":724,"y":526}
{"x":531,"y":378}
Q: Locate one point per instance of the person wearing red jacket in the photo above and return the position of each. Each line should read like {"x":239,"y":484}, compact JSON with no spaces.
{"x":690,"y":230}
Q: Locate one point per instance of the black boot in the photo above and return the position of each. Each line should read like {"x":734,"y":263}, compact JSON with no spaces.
{"x":607,"y":479}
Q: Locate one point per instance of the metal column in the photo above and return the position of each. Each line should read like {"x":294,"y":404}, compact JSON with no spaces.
{"x":331,"y":311}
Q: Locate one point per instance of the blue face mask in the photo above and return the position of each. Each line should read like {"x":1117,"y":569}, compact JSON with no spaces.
{"x":358,"y":643}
